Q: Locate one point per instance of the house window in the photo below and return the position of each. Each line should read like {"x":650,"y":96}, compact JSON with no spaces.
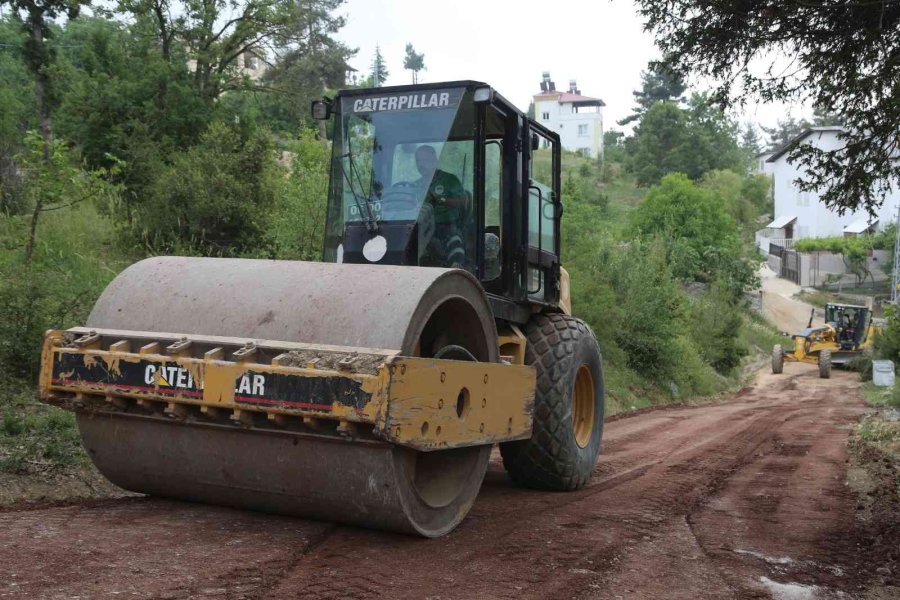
{"x":545,"y":116}
{"x":582,"y":130}
{"x":585,"y":152}
{"x":802,"y":198}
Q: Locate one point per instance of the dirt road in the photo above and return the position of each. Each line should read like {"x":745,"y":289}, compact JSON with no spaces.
{"x":743,"y":499}
{"x":780,"y":306}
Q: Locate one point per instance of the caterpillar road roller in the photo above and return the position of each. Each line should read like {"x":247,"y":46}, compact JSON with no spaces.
{"x":848,"y":332}
{"x":368,"y":388}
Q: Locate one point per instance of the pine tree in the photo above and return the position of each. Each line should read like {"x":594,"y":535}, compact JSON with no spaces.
{"x":379,"y":69}
{"x":658,"y":84}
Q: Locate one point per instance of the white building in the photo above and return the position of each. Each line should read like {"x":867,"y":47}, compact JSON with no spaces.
{"x":578,"y":119}
{"x":763,"y":166}
{"x":801,"y":215}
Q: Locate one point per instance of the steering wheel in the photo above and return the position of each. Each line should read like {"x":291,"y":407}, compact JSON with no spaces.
{"x":401,"y":196}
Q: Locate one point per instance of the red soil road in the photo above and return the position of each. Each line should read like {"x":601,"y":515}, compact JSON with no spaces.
{"x":742,"y":499}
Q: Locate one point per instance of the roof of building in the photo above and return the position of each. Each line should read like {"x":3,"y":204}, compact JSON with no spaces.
{"x":781,"y":222}
{"x":570,"y":98}
{"x":802,"y":136}
{"x":860,"y":225}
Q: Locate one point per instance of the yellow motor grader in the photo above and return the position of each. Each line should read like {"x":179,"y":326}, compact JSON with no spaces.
{"x":368,"y":388}
{"x":847,"y":333}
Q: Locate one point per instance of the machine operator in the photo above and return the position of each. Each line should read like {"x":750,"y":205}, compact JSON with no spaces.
{"x":449,"y":207}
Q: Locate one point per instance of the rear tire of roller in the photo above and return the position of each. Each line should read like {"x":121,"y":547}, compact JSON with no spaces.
{"x":568,"y":410}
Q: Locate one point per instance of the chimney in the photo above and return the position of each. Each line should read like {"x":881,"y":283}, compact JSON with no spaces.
{"x":573,"y":87}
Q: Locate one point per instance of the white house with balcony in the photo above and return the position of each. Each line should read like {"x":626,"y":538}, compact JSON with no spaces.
{"x":578,"y":119}
{"x":801,"y":215}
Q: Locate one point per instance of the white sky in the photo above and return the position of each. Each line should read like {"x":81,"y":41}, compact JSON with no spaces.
{"x":508,"y":44}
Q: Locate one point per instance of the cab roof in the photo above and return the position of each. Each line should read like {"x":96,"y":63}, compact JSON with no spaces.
{"x":421,"y":87}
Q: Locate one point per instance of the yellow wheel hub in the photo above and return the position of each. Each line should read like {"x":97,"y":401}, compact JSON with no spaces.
{"x":583,"y":407}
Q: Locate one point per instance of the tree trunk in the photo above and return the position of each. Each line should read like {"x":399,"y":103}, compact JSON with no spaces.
{"x":40,"y":92}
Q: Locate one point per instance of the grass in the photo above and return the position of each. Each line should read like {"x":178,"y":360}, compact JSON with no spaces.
{"x":34,"y":437}
{"x":882,"y":429}
{"x":760,"y":335}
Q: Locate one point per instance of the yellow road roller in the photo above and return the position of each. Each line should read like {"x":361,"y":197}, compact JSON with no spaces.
{"x":368,"y":388}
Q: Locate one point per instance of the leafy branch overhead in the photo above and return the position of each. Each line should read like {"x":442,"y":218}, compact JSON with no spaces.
{"x":843,"y":57}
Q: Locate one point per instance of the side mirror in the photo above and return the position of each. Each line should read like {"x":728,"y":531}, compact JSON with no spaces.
{"x":321,"y":109}
{"x":535,"y":141}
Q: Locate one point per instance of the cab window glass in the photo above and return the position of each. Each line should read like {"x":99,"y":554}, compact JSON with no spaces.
{"x":540,"y":197}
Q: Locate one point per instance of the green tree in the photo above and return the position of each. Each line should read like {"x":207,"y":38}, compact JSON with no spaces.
{"x":35,"y":17}
{"x":690,"y":140}
{"x":304,"y":70}
{"x":219,"y":37}
{"x":784,"y":131}
{"x":413,"y":62}
{"x":18,"y":112}
{"x":42,"y":280}
{"x":702,"y":240}
{"x":824,"y":117}
{"x":844,"y":58}
{"x":745,"y":197}
{"x":379,"y":70}
{"x":215,"y":198}
{"x":750,"y":143}
{"x":298,"y":222}
{"x":613,"y":146}
{"x":661,"y":145}
{"x":658,"y":84}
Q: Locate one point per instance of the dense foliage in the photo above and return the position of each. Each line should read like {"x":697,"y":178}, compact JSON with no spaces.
{"x":692,"y":140}
{"x":841,"y":56}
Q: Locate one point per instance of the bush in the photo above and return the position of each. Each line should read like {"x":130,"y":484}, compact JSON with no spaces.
{"x":214,"y":198}
{"x":715,"y":323}
{"x":887,"y":340}
{"x":745,"y":197}
{"x":650,"y":304}
{"x":702,"y":240}
{"x":56,"y":286}
{"x":298,"y":222}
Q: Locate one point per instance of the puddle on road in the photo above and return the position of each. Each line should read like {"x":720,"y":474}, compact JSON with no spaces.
{"x":789,"y":591}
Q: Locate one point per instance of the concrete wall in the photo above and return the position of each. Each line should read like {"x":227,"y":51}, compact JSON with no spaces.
{"x":815,"y":267}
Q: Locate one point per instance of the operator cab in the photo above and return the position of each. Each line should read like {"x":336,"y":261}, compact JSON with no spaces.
{"x":850,"y":322}
{"x":446,"y":175}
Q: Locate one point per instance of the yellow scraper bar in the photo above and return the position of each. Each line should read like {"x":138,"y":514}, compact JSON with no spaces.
{"x":423,"y":403}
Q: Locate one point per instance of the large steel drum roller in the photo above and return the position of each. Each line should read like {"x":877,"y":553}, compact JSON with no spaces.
{"x":417,"y":311}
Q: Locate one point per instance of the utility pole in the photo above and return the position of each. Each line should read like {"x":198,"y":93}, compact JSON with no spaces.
{"x":895,"y":270}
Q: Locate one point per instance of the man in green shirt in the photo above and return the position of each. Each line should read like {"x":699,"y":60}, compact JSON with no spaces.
{"x":449,"y":206}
